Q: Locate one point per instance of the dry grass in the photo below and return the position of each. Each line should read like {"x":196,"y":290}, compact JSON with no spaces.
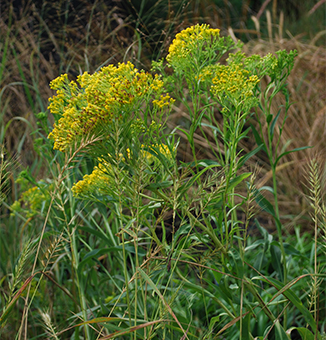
{"x":307,"y":116}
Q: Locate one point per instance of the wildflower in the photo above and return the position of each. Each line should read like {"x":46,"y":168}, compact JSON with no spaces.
{"x":196,"y":47}
{"x":95,"y":101}
{"x":59,"y":82}
{"x":234,"y":84}
{"x":155,"y":150}
{"x":164,"y":101}
{"x":97,"y":183}
{"x":32,"y":201}
{"x":102,"y":179}
{"x":234,"y":79}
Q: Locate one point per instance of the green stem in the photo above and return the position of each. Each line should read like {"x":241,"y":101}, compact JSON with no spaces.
{"x":136,"y":284}
{"x":277,"y":214}
{"x":192,"y":144}
{"x":136,"y":231}
{"x":278,"y":224}
{"x":279,"y":232}
{"x":125,"y":273}
{"x":81,"y":290}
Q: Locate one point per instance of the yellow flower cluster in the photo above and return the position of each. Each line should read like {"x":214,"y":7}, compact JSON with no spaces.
{"x":115,"y":92}
{"x":33,"y":200}
{"x":98,"y":182}
{"x":234,"y":81}
{"x":207,"y":73}
{"x":59,"y":82}
{"x":164,"y":101}
{"x":195,"y":49}
{"x":155,"y":149}
{"x":101,"y":180}
{"x":188,"y":40}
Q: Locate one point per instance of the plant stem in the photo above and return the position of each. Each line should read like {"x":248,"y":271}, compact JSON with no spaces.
{"x":277,"y":214}
{"x":74,"y":253}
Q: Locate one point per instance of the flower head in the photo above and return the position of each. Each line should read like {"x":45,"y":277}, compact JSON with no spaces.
{"x":188,"y":41}
{"x":97,"y":183}
{"x":33,"y":201}
{"x":234,"y":80}
{"x":95,"y":101}
{"x":196,"y":47}
{"x":101,"y":181}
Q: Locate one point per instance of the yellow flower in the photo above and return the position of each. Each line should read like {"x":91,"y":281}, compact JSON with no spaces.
{"x":113,"y":93}
{"x":59,"y":82}
{"x":234,"y":81}
{"x":33,"y":200}
{"x":191,"y":46}
{"x":97,"y":183}
{"x":164,"y":101}
{"x":101,"y":181}
{"x":157,"y":149}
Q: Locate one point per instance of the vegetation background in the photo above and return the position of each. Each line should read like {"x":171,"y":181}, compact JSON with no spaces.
{"x":39,"y":40}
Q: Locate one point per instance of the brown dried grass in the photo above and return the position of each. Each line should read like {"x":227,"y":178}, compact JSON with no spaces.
{"x":306,"y":122}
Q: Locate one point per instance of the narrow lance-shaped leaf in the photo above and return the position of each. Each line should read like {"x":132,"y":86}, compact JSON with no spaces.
{"x":287,"y":152}
{"x":291,"y":296}
{"x":272,"y":127}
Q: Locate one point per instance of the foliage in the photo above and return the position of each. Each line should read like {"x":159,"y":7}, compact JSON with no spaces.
{"x":136,"y":243}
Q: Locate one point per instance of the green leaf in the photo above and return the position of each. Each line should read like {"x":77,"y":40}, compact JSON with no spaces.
{"x":264,"y":306}
{"x":259,"y":141}
{"x":156,"y":152}
{"x":272,"y":127}
{"x":260,"y":259}
{"x":152,"y":284}
{"x":131,"y":249}
{"x":267,"y":188}
{"x":207,"y":293}
{"x":208,"y":162}
{"x":95,"y":254}
{"x":193,"y":179}
{"x":203,"y":162}
{"x":287,"y":152}
{"x":244,"y":158}
{"x":264,"y":232}
{"x":291,"y":296}
{"x":184,"y":229}
{"x":96,"y":233}
{"x":185,"y":132}
{"x":214,"y":128}
{"x":246,"y":327}
{"x":237,"y":180}
{"x":255,"y":245}
{"x":213,"y":322}
{"x":160,"y":185}
{"x":263,"y":202}
{"x":290,"y":250}
{"x":269,"y":118}
{"x":280,"y":333}
{"x":304,"y":333}
{"x":237,"y":264}
{"x":276,"y":260}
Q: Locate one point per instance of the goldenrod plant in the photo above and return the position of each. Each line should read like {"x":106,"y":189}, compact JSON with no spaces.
{"x":152,"y":247}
